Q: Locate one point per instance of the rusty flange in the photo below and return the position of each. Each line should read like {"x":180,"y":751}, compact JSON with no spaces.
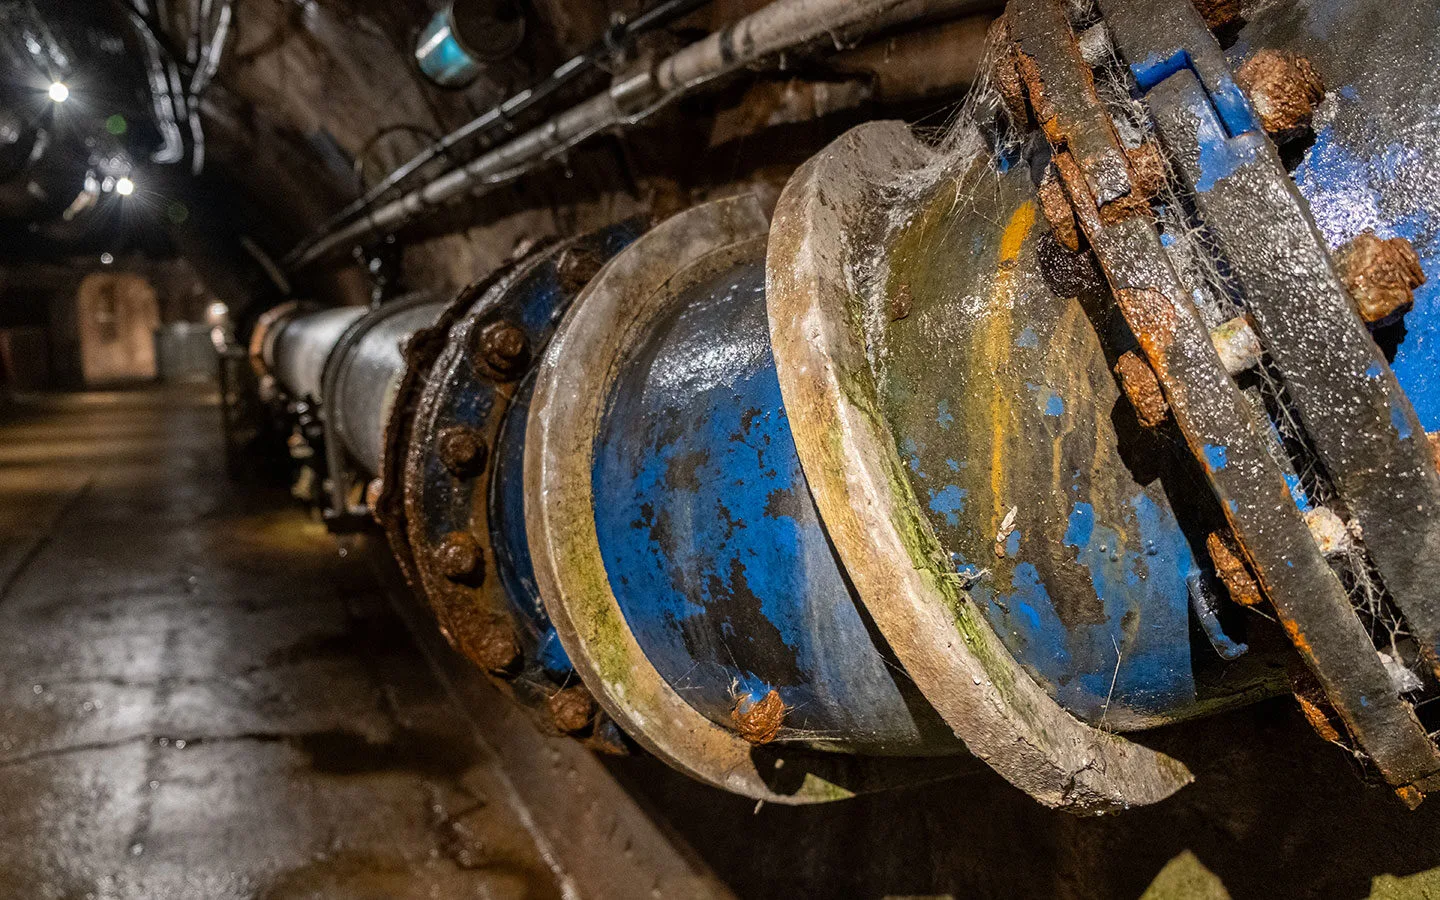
{"x":1361,"y":425}
{"x":475,"y":386}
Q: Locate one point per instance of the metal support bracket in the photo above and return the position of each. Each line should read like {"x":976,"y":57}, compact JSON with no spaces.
{"x":1218,"y":424}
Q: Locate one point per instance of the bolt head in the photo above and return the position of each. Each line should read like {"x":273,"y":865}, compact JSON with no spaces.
{"x":461,"y":449}
{"x":503,"y":348}
{"x":1284,"y":88}
{"x":459,"y":556}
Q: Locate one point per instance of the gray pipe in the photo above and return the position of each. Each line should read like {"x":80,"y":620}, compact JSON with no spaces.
{"x":298,"y":352}
{"x":782,"y":25}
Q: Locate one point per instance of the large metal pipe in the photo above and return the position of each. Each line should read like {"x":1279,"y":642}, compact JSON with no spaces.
{"x":863,"y":478}
{"x":780,"y":26}
{"x":301,"y":346}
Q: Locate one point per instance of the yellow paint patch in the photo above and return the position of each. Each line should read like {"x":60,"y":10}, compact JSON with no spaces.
{"x":998,"y":341}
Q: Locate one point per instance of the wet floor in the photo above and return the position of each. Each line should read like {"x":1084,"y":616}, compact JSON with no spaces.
{"x":200,"y":699}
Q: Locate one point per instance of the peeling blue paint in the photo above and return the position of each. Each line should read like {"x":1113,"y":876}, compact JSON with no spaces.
{"x":942,"y":415}
{"x":1216,"y":457}
{"x":1054,"y":406}
{"x":949,"y":502}
{"x":1027,"y":339}
{"x":709,"y":536}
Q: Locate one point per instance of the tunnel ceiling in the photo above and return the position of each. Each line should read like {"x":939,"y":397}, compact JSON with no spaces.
{"x":246,"y":124}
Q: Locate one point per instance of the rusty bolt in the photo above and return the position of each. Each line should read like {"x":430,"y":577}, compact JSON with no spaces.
{"x":1284,"y":89}
{"x":1380,"y":275}
{"x":576,"y":267}
{"x":572,"y":709}
{"x":1233,"y":572}
{"x":1056,"y":206}
{"x":759,"y":721}
{"x":1142,"y":388}
{"x":461,"y":449}
{"x":459,"y":556}
{"x":503,"y":348}
{"x":1219,"y":13}
{"x":493,"y":647}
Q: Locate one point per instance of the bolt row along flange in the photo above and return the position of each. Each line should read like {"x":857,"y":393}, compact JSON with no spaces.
{"x":456,"y":513}
{"x":1312,"y":448}
{"x":857,"y":495}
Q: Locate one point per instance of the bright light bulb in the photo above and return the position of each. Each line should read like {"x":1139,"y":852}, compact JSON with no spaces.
{"x":124,"y":187}
{"x":59,"y":92}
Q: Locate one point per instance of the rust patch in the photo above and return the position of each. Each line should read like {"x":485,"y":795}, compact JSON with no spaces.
{"x":759,"y":721}
{"x":1434,"y":438}
{"x":492,"y":646}
{"x":1147,"y":170}
{"x":1005,"y":72}
{"x":1313,"y":704}
{"x":1233,"y":572}
{"x":503,"y":348}
{"x":1142,"y":389}
{"x":1039,"y":103}
{"x":1284,"y":88}
{"x":572,"y":709}
{"x":1410,"y":796}
{"x":1381,"y":276}
{"x":459,"y":557}
{"x":1151,"y":317}
{"x":1218,"y":13}
{"x":1056,"y":206}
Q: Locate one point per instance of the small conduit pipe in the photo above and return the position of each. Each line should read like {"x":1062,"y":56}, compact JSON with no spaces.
{"x":782,"y":25}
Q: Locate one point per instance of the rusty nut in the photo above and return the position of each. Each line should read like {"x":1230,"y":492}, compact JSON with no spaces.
{"x":572,"y":709}
{"x":503,"y":348}
{"x":459,"y":557}
{"x":1284,"y":89}
{"x":461,"y":449}
{"x":1142,"y":389}
{"x":1380,"y":275}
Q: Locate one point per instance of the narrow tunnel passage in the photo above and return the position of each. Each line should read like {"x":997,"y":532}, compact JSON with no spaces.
{"x":199,"y":698}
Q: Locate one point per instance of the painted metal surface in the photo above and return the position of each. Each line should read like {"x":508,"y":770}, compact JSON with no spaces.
{"x":497,"y":605}
{"x":636,"y":288}
{"x":1235,"y":451}
{"x":364,"y":372}
{"x":1053,"y":505}
{"x":819,"y":270}
{"x":301,"y":345}
{"x":711,"y":541}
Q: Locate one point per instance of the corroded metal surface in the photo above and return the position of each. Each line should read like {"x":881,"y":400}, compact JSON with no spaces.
{"x":711,"y":541}
{"x":1053,"y":505}
{"x":574,"y":380}
{"x":1216,"y":421}
{"x":879,"y":525}
{"x":464,"y":528}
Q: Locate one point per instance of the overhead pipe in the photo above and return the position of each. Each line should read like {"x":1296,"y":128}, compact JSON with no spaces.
{"x":501,"y":115}
{"x":782,"y":25}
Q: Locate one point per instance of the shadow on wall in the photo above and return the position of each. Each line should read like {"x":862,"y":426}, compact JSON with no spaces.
{"x":1274,"y":812}
{"x":116,"y":317}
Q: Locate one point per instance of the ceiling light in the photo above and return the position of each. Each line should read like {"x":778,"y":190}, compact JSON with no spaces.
{"x":59,"y":92}
{"x":124,"y":187}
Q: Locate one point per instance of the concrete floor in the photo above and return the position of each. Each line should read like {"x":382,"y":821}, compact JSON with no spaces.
{"x":200,"y":699}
